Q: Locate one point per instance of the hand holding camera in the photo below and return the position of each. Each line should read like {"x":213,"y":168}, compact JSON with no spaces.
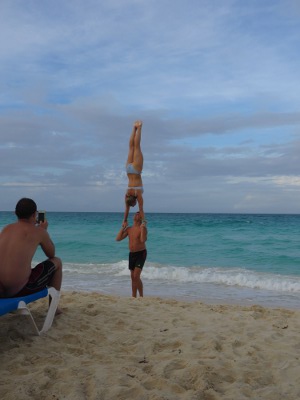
{"x":41,"y":219}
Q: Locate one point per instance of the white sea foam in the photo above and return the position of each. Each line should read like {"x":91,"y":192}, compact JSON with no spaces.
{"x":228,"y":277}
{"x":235,"y":277}
{"x":211,"y":285}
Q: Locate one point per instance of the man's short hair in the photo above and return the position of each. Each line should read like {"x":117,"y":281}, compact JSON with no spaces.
{"x":25,"y":208}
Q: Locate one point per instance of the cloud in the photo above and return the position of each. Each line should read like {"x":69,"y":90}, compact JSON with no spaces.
{"x":216,"y":84}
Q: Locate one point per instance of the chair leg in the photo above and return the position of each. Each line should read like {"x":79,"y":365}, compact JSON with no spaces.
{"x":55,"y":296}
{"x":23,"y":309}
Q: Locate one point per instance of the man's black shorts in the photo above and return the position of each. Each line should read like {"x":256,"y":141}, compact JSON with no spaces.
{"x":137,"y":259}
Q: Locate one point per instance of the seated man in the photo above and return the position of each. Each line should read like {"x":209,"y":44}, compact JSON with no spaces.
{"x":18,"y":244}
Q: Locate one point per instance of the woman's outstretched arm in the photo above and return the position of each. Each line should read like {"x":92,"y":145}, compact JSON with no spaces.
{"x":140,"y":201}
{"x":126,"y":213}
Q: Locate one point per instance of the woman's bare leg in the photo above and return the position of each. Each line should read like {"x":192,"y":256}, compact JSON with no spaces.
{"x":130,"y":157}
{"x":138,"y":159}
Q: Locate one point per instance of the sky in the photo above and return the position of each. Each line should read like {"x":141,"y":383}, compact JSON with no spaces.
{"x":215,"y":82}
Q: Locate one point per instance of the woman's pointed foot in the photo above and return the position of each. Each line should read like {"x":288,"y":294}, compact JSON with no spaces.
{"x":138,"y":124}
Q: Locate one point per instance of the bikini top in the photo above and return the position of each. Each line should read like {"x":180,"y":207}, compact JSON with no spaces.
{"x":131,"y":170}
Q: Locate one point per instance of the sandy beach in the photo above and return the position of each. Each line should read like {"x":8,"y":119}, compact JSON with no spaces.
{"x":107,"y":347}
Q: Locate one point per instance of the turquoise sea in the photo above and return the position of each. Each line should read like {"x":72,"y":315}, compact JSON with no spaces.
{"x":216,"y":258}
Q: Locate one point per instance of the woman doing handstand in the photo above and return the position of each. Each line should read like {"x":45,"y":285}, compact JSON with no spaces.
{"x":134,"y":167}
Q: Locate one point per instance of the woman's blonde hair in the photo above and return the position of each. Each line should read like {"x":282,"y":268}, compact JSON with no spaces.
{"x":130,"y":200}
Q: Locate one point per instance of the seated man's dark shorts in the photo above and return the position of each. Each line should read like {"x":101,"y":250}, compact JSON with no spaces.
{"x":137,"y":259}
{"x":40,"y":277}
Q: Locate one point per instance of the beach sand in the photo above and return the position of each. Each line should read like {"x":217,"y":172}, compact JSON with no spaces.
{"x":108,"y":347}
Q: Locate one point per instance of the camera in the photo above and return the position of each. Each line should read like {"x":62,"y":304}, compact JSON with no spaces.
{"x":41,"y":216}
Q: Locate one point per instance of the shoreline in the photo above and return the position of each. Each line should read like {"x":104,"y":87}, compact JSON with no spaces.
{"x":185,"y":299}
{"x":113,"y":347}
{"x":205,"y":292}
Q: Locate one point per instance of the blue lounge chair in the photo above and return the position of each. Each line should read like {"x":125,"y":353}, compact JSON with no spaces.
{"x":20,"y":304}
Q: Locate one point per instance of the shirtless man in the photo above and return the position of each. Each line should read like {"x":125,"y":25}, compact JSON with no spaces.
{"x":137,"y":235}
{"x":18,"y":244}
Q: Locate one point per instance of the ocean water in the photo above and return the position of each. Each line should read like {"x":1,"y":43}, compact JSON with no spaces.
{"x":216,"y":258}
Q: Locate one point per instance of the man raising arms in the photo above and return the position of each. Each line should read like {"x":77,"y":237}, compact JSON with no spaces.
{"x":137,"y":235}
